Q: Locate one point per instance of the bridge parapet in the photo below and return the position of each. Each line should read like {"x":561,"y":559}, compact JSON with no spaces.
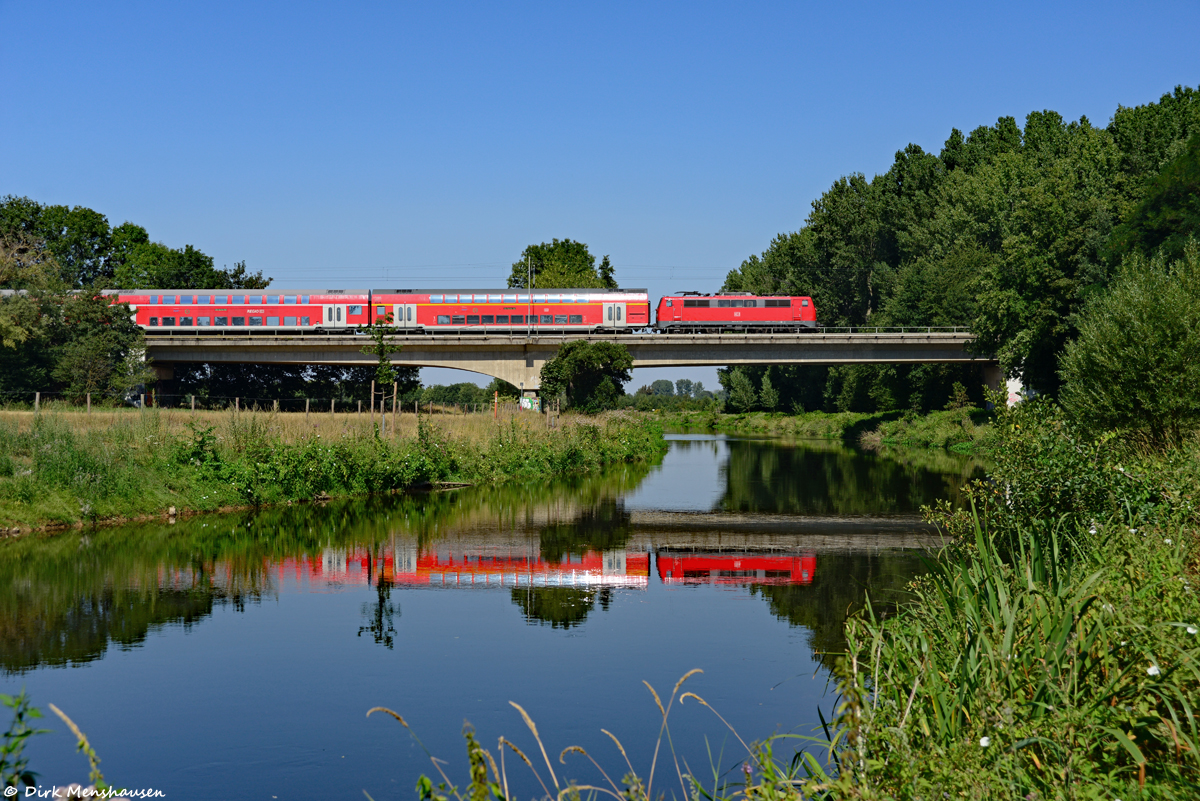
{"x":518,"y":359}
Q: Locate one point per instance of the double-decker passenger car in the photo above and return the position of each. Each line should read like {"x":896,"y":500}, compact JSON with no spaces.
{"x":693,"y":311}
{"x":515,"y":310}
{"x":245,"y":309}
{"x":736,"y":568}
{"x":416,"y":311}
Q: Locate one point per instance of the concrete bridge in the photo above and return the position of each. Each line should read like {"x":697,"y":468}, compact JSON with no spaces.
{"x":519,"y":359}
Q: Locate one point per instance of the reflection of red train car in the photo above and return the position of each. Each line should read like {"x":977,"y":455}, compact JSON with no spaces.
{"x":692,"y":311}
{"x":742,"y":568}
{"x":405,"y":566}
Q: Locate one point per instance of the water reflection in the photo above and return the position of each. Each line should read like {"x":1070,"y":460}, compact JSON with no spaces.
{"x":808,"y":527}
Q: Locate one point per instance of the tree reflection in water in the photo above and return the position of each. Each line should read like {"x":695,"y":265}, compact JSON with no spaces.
{"x":561,"y":607}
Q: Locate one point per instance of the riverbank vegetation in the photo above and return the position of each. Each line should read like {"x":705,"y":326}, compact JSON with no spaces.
{"x":65,"y":468}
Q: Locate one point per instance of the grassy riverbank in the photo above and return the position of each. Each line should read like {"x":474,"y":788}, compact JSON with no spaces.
{"x":63,"y":468}
{"x":960,"y":430}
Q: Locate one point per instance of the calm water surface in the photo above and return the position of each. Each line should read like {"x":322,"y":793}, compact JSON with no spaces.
{"x":236,"y":656}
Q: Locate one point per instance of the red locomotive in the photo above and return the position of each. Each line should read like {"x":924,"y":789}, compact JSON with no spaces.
{"x":736,"y":568}
{"x":692,"y":311}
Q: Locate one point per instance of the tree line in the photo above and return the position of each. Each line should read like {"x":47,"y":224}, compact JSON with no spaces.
{"x":1009,"y":230}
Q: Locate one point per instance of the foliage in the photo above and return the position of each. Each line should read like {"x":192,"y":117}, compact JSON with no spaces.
{"x":561,"y":264}
{"x":14,"y":765}
{"x":382,"y":347}
{"x":742,"y":397}
{"x":1170,"y":211}
{"x":1006,"y":230}
{"x":1052,"y":650}
{"x":133,"y":467}
{"x":588,"y":374}
{"x":89,"y":252}
{"x":1135,"y":367}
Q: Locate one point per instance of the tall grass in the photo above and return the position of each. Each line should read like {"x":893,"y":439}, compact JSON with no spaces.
{"x":63,"y":469}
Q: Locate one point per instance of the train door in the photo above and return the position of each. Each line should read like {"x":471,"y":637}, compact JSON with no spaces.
{"x":614,"y":315}
{"x":405,"y":315}
{"x":335,"y":315}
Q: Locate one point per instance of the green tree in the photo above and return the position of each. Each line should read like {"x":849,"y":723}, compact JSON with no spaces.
{"x":684,"y":388}
{"x":768,"y":397}
{"x":662,"y":387}
{"x":590,"y":375}
{"x":742,"y":397}
{"x":1135,"y":366}
{"x":561,"y":264}
{"x":1170,"y":211}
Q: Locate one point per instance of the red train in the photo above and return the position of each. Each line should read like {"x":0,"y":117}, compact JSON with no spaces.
{"x":736,"y":568}
{"x":459,"y":311}
{"x":692,"y":311}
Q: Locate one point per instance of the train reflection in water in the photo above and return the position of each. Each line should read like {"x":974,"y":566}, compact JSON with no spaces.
{"x":483,"y":567}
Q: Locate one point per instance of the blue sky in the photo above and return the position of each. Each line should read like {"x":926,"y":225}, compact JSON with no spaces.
{"x":368,"y":144}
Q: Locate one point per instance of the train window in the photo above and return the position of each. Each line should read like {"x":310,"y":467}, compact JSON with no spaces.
{"x":286,"y":321}
{"x":289,"y":299}
{"x":354,"y":310}
{"x":687,"y":304}
{"x":254,"y":300}
{"x":560,"y":319}
{"x":238,"y":321}
{"x":722,"y":304}
{"x":168,"y":299}
{"x":488,"y":319}
{"x":458,"y":319}
{"x":547,"y":319}
{"x":305,"y":321}
{"x":237,"y":300}
{"x":443,"y":319}
{"x":472,"y":319}
{"x":273,"y":299}
{"x":480,"y":299}
{"x":618,"y":312}
{"x":775,"y":302}
{"x":168,"y":321}
{"x":576,"y":319}
{"x":517,"y":319}
{"x":304,"y":298}
{"x":381,"y":310}
{"x":410,"y":314}
{"x":153,"y":300}
{"x":153,"y":321}
{"x":452,"y":298}
{"x":220,"y":321}
{"x":610,"y":316}
{"x":435,"y":298}
{"x":185,"y":299}
{"x":501,"y":319}
{"x":522,"y":298}
{"x":255,"y":321}
{"x":804,"y":302}
{"x":669,"y":303}
{"x":494,"y":299}
{"x":539,"y":298}
{"x":202,"y":320}
{"x":203,"y":299}
{"x":510,"y":298}
{"x":273,"y":321}
{"x":220,"y":299}
{"x":185,"y":320}
{"x":338,"y":313}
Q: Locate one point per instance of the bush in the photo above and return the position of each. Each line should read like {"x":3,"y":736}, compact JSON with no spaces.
{"x":1136,"y":364}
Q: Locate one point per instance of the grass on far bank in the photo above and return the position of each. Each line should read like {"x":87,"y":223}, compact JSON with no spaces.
{"x":63,"y":467}
{"x":960,"y":430}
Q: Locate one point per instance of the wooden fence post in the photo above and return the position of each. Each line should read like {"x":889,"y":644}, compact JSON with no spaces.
{"x":276,"y":405}
{"x":306,"y":410}
{"x":37,"y":402}
{"x":237,"y":404}
{"x":331,"y":402}
{"x":193,"y":401}
{"x":89,"y":402}
{"x":395,"y":390}
{"x":360,"y":408}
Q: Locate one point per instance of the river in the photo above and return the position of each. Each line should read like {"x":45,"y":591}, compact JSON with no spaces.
{"x":236,"y":656}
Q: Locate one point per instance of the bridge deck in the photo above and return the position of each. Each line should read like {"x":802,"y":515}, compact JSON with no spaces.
{"x":519,"y":359}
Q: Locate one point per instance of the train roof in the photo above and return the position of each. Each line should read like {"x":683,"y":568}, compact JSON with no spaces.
{"x":510,"y":290}
{"x":211,"y":290}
